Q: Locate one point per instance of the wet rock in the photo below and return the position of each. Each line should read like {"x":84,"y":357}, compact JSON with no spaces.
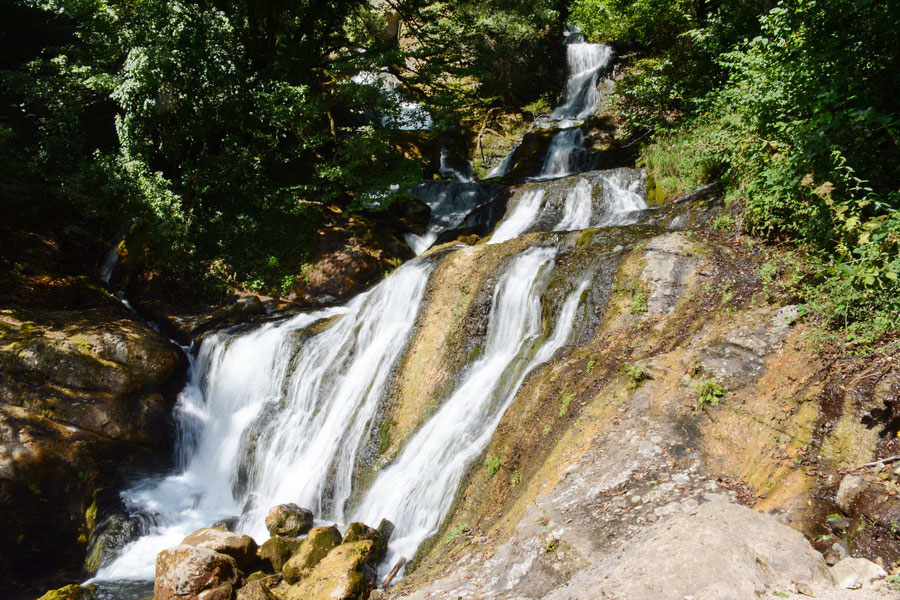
{"x":851,"y":485}
{"x":111,"y":535}
{"x":229,"y":524}
{"x":359,"y":531}
{"x":342,"y":575}
{"x":276,"y":551}
{"x":666,"y":272}
{"x":316,"y":545}
{"x":838,"y":552}
{"x":242,"y":548}
{"x":247,"y":306}
{"x":189,"y":573}
{"x":852,"y":573}
{"x":386,"y":528}
{"x":288,"y":520}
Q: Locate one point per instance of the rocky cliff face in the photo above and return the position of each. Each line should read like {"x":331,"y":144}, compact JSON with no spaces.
{"x":86,"y":390}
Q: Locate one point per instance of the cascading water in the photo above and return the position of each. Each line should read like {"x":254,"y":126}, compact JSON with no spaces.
{"x":281,"y":413}
{"x":465,"y":174}
{"x":298,"y":407}
{"x":579,"y":207}
{"x":585,"y":63}
{"x":505,"y":165}
{"x":558,"y":162}
{"x":450,"y":203}
{"x":521,"y":219}
{"x":418,"y":488}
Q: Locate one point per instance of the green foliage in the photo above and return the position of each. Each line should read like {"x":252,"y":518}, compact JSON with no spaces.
{"x":214,"y":131}
{"x":723,"y":223}
{"x":792,"y":107}
{"x":566,"y":400}
{"x":492,"y":463}
{"x":636,"y":376}
{"x":709,"y":392}
{"x":515,"y":478}
{"x":641,"y":21}
{"x":638,"y":302}
{"x":456,"y":531}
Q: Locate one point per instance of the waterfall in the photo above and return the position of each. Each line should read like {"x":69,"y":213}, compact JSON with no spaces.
{"x":626,"y":189}
{"x":522,"y":217}
{"x":593,"y":199}
{"x":289,"y":410}
{"x":579,"y":207}
{"x":558,"y":162}
{"x":280,"y":412}
{"x":416,"y":491}
{"x":585,"y":62}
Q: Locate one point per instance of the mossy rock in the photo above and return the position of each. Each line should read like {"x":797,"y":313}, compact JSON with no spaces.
{"x":288,"y":520}
{"x":70,"y":592}
{"x":359,"y":531}
{"x":339,"y":576}
{"x":315,"y":547}
{"x":276,"y":551}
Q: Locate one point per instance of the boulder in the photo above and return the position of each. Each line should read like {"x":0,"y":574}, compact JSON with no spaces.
{"x":359,"y":531}
{"x":342,"y":575}
{"x":316,"y":545}
{"x":276,"y":551}
{"x":191,"y":573}
{"x":852,"y":573}
{"x":242,"y":548}
{"x":288,"y":520}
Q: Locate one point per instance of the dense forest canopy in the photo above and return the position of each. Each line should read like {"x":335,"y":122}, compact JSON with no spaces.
{"x":213,"y":129}
{"x":214,"y":126}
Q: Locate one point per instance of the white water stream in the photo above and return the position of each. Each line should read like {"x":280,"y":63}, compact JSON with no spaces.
{"x":585,"y":62}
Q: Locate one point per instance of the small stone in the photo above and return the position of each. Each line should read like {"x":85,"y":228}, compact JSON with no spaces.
{"x":681,"y":479}
{"x":690,"y":504}
{"x":229,"y":524}
{"x":276,"y":551}
{"x":359,"y":531}
{"x":804,"y":589}
{"x":852,"y":573}
{"x":850,"y":487}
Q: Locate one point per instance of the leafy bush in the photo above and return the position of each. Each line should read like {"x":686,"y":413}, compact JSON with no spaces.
{"x":792,"y":108}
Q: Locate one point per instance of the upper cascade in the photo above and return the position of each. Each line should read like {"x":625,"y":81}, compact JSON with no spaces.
{"x":585,"y":63}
